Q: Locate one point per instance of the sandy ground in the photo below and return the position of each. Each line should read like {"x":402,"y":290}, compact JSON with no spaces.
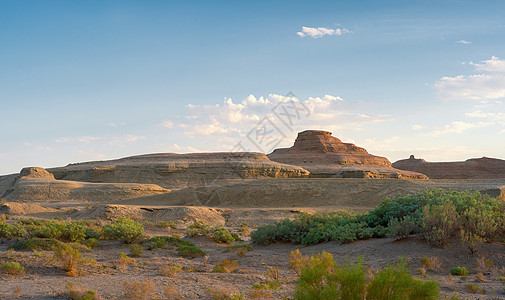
{"x":44,"y":279}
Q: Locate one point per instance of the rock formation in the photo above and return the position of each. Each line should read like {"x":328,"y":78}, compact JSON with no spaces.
{"x":179,"y":170}
{"x":474,"y":168}
{"x":326,"y":156}
{"x":38,"y":185}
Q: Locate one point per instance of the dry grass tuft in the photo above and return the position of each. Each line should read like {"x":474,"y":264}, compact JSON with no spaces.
{"x":134,"y":290}
{"x":225,"y":266}
{"x":170,"y":270}
{"x":170,"y":292}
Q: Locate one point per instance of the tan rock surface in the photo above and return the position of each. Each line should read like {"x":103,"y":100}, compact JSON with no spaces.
{"x":474,"y":168}
{"x":326,"y":156}
{"x":179,"y":170}
{"x":336,"y":193}
{"x":37,"y":185}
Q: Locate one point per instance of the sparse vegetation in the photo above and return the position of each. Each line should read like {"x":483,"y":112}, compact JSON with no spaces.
{"x":459,"y":271}
{"x":321,"y":278}
{"x":225,"y":266}
{"x":77,"y":292}
{"x":69,"y":259}
{"x":190,"y":251}
{"x":170,"y":270}
{"x":13,"y":268}
{"x":124,"y":229}
{"x":217,"y":233}
{"x":439,"y":215}
{"x":240,"y":249}
{"x":136,"y":250}
{"x":134,"y":290}
{"x":124,"y":261}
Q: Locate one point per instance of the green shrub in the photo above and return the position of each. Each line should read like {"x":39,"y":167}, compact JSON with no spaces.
{"x":69,"y":259}
{"x":136,"y":250}
{"x":190,"y":251}
{"x":124,"y":229}
{"x":37,"y":244}
{"x":77,"y":292}
{"x":352,"y":280}
{"x":460,"y":271}
{"x":472,"y":288}
{"x":10,"y":231}
{"x":395,"y":282}
{"x":317,"y":279}
{"x":197,"y":229}
{"x":440,"y":222}
{"x":223,"y":235}
{"x":166,"y":224}
{"x":167,"y":242}
{"x":91,"y":243}
{"x":401,"y":229}
{"x":13,"y":268}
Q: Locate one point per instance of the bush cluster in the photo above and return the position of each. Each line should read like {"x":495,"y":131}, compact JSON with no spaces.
{"x":217,"y":233}
{"x":439,"y":215}
{"x":124,"y":229}
{"x":183,"y":247}
{"x":322,"y":278}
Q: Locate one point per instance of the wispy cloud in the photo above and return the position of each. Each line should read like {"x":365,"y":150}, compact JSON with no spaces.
{"x":490,"y":84}
{"x":464,"y":42}
{"x":458,"y":127}
{"x":321,"y":31}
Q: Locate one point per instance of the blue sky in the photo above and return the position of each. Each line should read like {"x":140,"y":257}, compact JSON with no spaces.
{"x":87,"y":80}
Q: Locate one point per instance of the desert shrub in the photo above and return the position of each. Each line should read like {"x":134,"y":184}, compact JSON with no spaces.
{"x":37,"y":244}
{"x":317,"y":278}
{"x":240,"y":249}
{"x":69,"y":259}
{"x":401,"y":229}
{"x":167,"y":242}
{"x":77,"y":292}
{"x":221,"y":293}
{"x":93,"y":233}
{"x":472,"y":288}
{"x":13,"y":268}
{"x":136,"y":250}
{"x":460,"y":271}
{"x":91,"y":243}
{"x":431,"y":263}
{"x":74,"y":232}
{"x":480,"y":277}
{"x":225,"y":266}
{"x":223,"y":235}
{"x":166,"y":224}
{"x":297,"y":261}
{"x":124,"y":261}
{"x":139,"y":290}
{"x":395,"y":282}
{"x":198,"y":229}
{"x":273,"y":282}
{"x":170,"y":270}
{"x":10,"y":231}
{"x":439,"y":223}
{"x":170,"y":292}
{"x":244,"y":229}
{"x":190,"y":251}
{"x":352,"y":280}
{"x":124,"y":229}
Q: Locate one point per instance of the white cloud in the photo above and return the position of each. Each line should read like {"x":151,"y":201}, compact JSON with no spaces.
{"x":491,"y":65}
{"x":488,"y":85}
{"x":117,"y":124}
{"x":321,"y":31}
{"x":227,"y":123}
{"x":167,"y":124}
{"x":90,"y":154}
{"x":458,"y":127}
{"x":486,"y":115}
{"x":417,"y":127}
{"x":464,"y":42}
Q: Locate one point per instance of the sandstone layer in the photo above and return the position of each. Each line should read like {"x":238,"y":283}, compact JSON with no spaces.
{"x":335,"y":193}
{"x":325,"y":156}
{"x":38,"y":185}
{"x":179,"y":170}
{"x":474,"y":168}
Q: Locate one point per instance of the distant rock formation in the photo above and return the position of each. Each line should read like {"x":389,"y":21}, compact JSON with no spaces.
{"x":36,"y":184}
{"x":173,"y":171}
{"x":326,"y":156}
{"x":474,"y":168}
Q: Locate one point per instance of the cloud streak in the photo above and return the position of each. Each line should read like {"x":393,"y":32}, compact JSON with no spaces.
{"x":490,"y":84}
{"x":318,"y":32}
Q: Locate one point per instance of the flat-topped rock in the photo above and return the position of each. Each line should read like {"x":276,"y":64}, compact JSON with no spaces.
{"x":171,"y":170}
{"x":474,"y":168}
{"x":326,"y":156}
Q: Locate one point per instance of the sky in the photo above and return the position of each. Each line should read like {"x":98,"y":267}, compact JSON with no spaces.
{"x":97,"y":80}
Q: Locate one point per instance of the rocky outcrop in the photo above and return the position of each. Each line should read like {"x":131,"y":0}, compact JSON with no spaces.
{"x":474,"y":168}
{"x":38,"y":185}
{"x":326,"y":156}
{"x":179,"y":170}
{"x":334,"y":193}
